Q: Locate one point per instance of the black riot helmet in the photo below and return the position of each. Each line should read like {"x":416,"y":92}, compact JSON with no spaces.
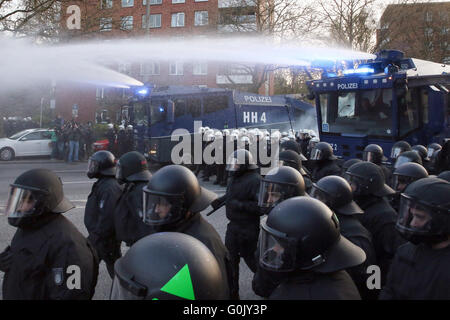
{"x":407,"y":173}
{"x":398,"y":148}
{"x":337,"y":194}
{"x":407,"y":156}
{"x":279,"y":184}
{"x":366,"y":178}
{"x":444,"y":175}
{"x":432,"y":148}
{"x":374,"y":153}
{"x":347,"y":164}
{"x":302,"y":233}
{"x":421,"y":151}
{"x":170,"y":194}
{"x":424,"y":214}
{"x":291,"y":145}
{"x":168,"y":266}
{"x":101,"y":163}
{"x":292,"y":159}
{"x":322,"y":151}
{"x":132,"y":167}
{"x":241,"y":161}
{"x":34,"y":193}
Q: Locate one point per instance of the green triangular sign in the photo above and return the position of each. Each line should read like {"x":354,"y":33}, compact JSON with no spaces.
{"x":181,"y":284}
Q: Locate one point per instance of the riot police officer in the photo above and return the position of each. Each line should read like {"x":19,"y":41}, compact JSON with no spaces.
{"x":370,"y":192}
{"x":374,"y":153}
{"x":173,"y":200}
{"x":121,"y":141}
{"x":130,"y":139}
{"x":278,"y":185}
{"x":291,"y":159}
{"x":420,"y":267}
{"x":241,"y":202}
{"x":111,"y":136}
{"x":422,"y":152}
{"x":46,"y":245}
{"x":398,"y":148}
{"x":404,"y":175}
{"x":168,"y":266}
{"x":336,"y":193}
{"x":98,"y":213}
{"x":324,"y":161}
{"x":290,"y":145}
{"x":132,"y":170}
{"x":301,"y":240}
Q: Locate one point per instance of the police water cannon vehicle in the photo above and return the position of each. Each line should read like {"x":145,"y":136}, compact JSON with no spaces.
{"x":384,"y":100}
{"x":156,"y":112}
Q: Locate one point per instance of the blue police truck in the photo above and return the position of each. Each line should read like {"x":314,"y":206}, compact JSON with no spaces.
{"x":157,"y":112}
{"x":382,"y":101}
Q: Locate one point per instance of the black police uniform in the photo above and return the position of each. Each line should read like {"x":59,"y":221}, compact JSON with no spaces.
{"x":241,"y":201}
{"x":379,"y":218}
{"x":202,"y":230}
{"x":418,"y":272}
{"x":354,"y":231}
{"x":324,"y":168}
{"x":315,"y":286}
{"x":122,"y":146}
{"x":40,"y":259}
{"x":128,"y":214}
{"x":99,"y":220}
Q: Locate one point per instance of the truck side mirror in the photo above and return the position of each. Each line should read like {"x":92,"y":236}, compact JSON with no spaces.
{"x":170,"y":115}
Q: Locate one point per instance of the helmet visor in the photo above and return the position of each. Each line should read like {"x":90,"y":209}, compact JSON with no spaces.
{"x":119,"y":292}
{"x":369,"y":156}
{"x":401,"y":182}
{"x":119,"y":172}
{"x":233,"y":165}
{"x":92,"y":168}
{"x":21,"y":203}
{"x":355,"y":182}
{"x":321,"y":195}
{"x":401,"y":160}
{"x":160,"y":210}
{"x":414,"y":217}
{"x":316,"y":154}
{"x":395,"y":152}
{"x":276,"y":253}
{"x":270,"y":194}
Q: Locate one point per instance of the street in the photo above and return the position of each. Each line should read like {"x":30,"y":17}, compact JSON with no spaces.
{"x":77,"y":187}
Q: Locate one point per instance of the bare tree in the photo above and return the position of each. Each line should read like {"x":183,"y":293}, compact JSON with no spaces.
{"x":350,"y":23}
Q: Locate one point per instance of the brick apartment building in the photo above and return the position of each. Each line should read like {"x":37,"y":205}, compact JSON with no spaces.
{"x":118,"y":19}
{"x":421,"y":30}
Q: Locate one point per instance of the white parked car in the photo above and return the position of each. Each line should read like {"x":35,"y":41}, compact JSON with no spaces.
{"x":30,"y":142}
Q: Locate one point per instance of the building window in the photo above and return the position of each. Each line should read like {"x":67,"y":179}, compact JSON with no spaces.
{"x":445,"y":31}
{"x":178,"y":19}
{"x":152,"y":2}
{"x":200,"y":68}
{"x":428,"y":32}
{"x":178,"y":1}
{"x":428,"y":16}
{"x":105,"y":24}
{"x":155,"y":21}
{"x":201,"y":18}
{"x":126,"y":23}
{"x":200,"y":0}
{"x":150,"y":69}
{"x":106,"y":4}
{"x":176,"y":68}
{"x":125,"y":67}
{"x":100,"y":93}
{"x":127,"y":3}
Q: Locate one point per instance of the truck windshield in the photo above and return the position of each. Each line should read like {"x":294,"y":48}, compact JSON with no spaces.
{"x":158,"y":109}
{"x":140,"y":115}
{"x":364,"y":112}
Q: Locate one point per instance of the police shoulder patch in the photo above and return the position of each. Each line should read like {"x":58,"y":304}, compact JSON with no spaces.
{"x":58,"y":276}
